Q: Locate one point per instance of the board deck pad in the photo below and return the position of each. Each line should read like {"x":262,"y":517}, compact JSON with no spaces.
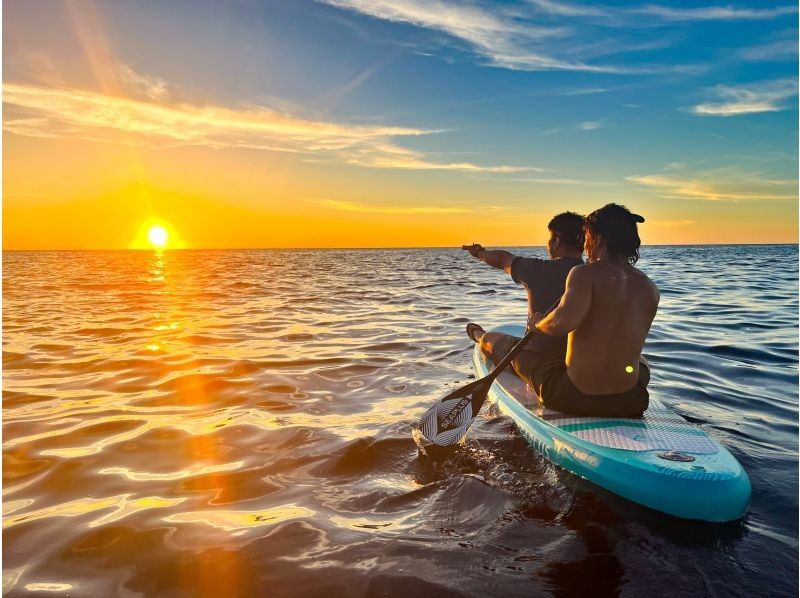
{"x":658,"y":429}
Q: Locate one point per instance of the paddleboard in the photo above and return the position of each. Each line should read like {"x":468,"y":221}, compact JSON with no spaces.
{"x":660,"y":460}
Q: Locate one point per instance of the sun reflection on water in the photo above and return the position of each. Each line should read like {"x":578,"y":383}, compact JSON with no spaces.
{"x":122,"y":504}
{"x":188,"y":472}
{"x":239,"y":522}
{"x":48,"y":587}
{"x":157,"y":266}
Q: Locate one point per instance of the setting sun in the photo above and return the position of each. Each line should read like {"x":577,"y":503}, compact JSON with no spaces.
{"x":158,"y":236}
{"x":156,"y":233}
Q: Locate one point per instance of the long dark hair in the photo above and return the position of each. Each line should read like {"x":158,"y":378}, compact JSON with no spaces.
{"x":616,"y":225}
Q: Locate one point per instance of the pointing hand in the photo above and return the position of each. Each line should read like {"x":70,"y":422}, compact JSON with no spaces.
{"x":473,"y":249}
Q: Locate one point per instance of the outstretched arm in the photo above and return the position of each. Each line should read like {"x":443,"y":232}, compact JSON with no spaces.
{"x":572,"y":308}
{"x":497,"y":258}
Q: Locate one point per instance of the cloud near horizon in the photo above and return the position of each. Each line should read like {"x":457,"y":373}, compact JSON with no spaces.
{"x":720,"y":185}
{"x":563,"y":181}
{"x":52,"y":112}
{"x":769,"y":96}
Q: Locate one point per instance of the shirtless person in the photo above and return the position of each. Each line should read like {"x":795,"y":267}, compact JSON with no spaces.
{"x":607,"y":309}
{"x":543,"y":279}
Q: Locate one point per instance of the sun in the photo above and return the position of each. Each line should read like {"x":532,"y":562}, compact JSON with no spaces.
{"x":158,"y":236}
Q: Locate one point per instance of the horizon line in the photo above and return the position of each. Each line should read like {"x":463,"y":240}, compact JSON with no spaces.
{"x":396,"y":247}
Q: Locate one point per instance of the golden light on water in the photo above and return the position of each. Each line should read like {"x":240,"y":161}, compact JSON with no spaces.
{"x":158,"y":236}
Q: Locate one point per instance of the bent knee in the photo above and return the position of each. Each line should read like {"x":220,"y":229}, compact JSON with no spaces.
{"x":489,"y":340}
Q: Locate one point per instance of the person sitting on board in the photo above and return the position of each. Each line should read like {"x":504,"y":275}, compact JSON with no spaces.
{"x":543,"y":279}
{"x":606,"y":310}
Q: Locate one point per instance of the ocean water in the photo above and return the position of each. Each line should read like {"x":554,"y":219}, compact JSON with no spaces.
{"x":237,"y":423}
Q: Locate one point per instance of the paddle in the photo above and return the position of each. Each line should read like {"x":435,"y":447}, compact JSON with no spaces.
{"x":446,"y":422}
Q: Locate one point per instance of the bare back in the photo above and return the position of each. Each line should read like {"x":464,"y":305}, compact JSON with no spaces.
{"x":603,"y":352}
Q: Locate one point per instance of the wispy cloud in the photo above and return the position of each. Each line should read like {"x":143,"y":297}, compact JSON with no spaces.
{"x":784,"y":49}
{"x":63,"y":112}
{"x":591,"y":125}
{"x":767,"y":96}
{"x":582,"y":91}
{"x":351,"y":206}
{"x":561,"y":181}
{"x":571,"y":91}
{"x":588,"y":125}
{"x":384,"y":155}
{"x":505,"y":40}
{"x":724,"y":184}
{"x":666,"y":13}
{"x":715,"y":13}
{"x":148,"y":86}
{"x":569,"y":10}
{"x":546,"y":34}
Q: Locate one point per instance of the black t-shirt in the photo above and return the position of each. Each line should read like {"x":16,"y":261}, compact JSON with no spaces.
{"x":544,"y":280}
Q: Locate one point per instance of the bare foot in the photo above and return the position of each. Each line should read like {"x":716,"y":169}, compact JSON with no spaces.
{"x":475,"y":332}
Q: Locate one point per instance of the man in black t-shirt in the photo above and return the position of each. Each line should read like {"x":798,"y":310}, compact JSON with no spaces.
{"x":543,"y":279}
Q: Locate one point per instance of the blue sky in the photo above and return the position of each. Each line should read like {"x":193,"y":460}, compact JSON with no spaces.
{"x":683,"y":110}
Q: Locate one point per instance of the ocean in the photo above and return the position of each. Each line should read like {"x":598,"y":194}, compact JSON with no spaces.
{"x":237,"y":423}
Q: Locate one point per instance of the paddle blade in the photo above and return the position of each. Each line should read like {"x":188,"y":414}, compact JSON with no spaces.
{"x":446,"y":423}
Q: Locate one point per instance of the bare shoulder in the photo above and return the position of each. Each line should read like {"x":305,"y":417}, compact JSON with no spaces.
{"x":582,"y":273}
{"x":589,"y":268}
{"x":646,"y":281}
{"x":597,"y":270}
{"x":642,"y":274}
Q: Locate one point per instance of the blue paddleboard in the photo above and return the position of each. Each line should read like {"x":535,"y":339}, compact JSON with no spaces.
{"x":660,"y":460}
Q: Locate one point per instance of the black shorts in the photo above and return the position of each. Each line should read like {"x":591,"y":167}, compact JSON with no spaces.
{"x":549,"y":379}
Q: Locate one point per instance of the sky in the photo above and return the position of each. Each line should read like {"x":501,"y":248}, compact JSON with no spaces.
{"x":395,"y":123}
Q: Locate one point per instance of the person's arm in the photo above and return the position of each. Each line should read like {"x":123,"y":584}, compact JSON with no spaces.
{"x":572,"y":308}
{"x":497,"y":258}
